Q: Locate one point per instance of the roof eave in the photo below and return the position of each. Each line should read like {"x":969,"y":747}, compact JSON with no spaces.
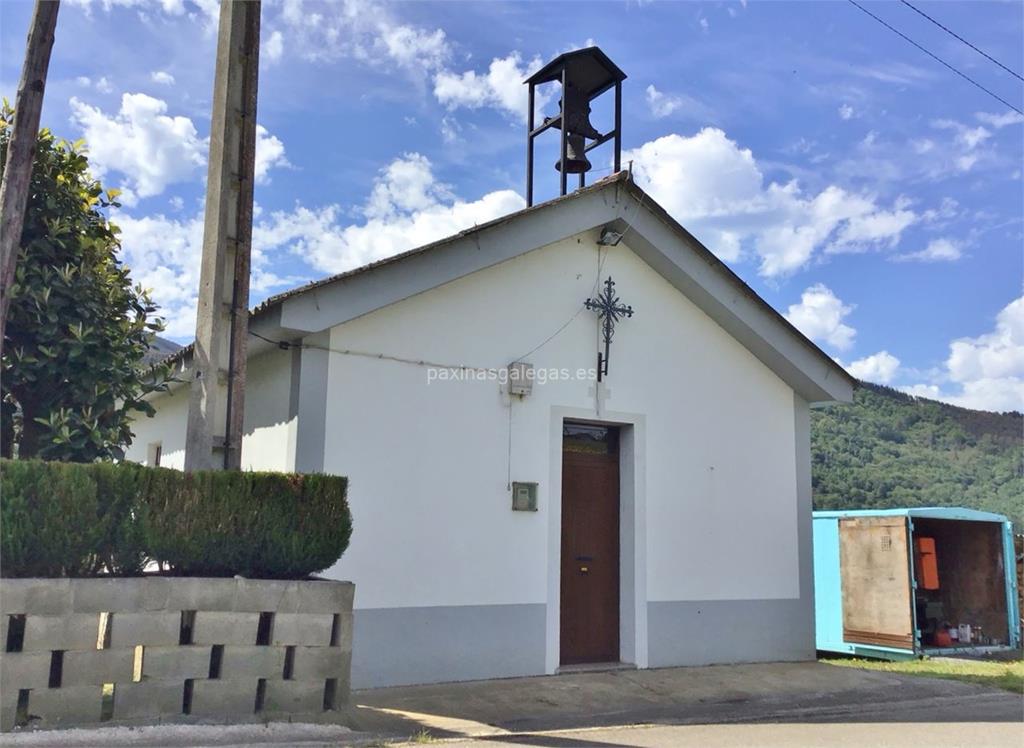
{"x":544,"y":75}
{"x":813,"y":374}
{"x":658,"y":238}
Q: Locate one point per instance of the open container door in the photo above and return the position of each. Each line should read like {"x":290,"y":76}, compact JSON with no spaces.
{"x":969,"y":586}
{"x":874,"y":559}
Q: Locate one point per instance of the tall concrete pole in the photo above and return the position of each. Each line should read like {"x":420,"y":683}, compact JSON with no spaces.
{"x":217,"y":397}
{"x":21,"y":150}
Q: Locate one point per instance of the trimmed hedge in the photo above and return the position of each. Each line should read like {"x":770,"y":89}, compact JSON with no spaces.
{"x":64,"y":519}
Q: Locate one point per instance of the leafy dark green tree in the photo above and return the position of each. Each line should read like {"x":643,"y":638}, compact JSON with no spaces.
{"x":77,"y":329}
{"x":888,"y":449}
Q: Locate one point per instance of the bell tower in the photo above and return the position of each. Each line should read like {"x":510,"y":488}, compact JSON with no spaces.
{"x":584,"y":75}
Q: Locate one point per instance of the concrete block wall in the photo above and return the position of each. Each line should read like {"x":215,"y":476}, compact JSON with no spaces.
{"x":90,"y":652}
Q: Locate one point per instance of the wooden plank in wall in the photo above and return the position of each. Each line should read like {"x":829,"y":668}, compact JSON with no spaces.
{"x":874,"y":561}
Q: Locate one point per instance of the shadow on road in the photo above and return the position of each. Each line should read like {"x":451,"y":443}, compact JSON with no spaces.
{"x":779,"y":693}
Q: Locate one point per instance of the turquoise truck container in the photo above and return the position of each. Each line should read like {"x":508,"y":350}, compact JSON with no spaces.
{"x":900,"y":583}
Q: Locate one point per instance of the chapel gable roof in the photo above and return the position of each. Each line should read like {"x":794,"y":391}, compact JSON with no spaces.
{"x":615,"y":202}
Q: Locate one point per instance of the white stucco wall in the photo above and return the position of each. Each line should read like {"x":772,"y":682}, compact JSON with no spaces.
{"x":712,"y":434}
{"x":167,"y":428}
{"x":427,"y":462}
{"x":269,"y":440}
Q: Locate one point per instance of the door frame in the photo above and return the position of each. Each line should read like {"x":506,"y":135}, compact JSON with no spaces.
{"x":632,"y":534}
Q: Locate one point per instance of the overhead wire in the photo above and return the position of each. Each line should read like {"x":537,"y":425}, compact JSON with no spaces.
{"x":597,"y":283}
{"x":956,"y":35}
{"x":934,"y":56}
{"x":288,"y":345}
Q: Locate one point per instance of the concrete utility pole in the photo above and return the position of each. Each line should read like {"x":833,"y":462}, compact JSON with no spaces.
{"x":217,"y":397}
{"x":21,"y":150}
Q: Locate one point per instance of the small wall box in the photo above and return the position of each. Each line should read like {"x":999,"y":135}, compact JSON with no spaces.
{"x":520,"y":379}
{"x":524,"y":497}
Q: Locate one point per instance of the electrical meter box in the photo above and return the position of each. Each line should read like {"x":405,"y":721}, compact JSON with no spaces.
{"x":520,"y":378}
{"x":524,"y":497}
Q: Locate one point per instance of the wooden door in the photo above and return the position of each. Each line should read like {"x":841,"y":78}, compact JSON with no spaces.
{"x":590,"y":544}
{"x":874,"y":563}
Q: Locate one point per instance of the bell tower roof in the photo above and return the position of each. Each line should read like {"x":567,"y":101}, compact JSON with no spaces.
{"x":591,"y":70}
{"x":583,"y":74}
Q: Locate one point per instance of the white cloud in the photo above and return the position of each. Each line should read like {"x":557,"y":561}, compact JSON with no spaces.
{"x":986,"y":372}
{"x":406,"y":185}
{"x":411,"y":47}
{"x":996,"y":355}
{"x":999,"y":121}
{"x":141,"y":142}
{"x":162,"y":77}
{"x":930,"y":391}
{"x":879,"y":367}
{"x":269,"y":154}
{"x":364,"y":31}
{"x":450,"y":129}
{"x":501,"y":87}
{"x":208,"y":9}
{"x":717,"y":190}
{"x":406,"y":208}
{"x":846,"y":111}
{"x":369,"y":33}
{"x":951,"y":149}
{"x":820,"y":315}
{"x":897,"y":73}
{"x":948,"y":209}
{"x":967,"y":141}
{"x":151,"y":149}
{"x":174,"y":7}
{"x":867,"y":228}
{"x":164,"y":255}
{"x":661,"y":104}
{"x":103,"y":85}
{"x":938,"y":250}
{"x":923,"y":146}
{"x":273,"y":47}
{"x":973,"y":137}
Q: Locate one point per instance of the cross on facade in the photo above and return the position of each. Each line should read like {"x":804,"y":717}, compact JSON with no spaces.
{"x":609,"y":311}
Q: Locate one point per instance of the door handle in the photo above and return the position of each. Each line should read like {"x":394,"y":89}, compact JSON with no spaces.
{"x":584,"y":558}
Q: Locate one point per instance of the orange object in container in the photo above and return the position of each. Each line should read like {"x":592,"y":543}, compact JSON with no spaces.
{"x":927,"y":563}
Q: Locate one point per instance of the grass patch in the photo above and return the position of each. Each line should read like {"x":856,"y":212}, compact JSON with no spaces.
{"x":1008,"y":676}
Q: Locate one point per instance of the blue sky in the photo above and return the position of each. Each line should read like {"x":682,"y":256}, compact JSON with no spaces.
{"x":863,"y":189}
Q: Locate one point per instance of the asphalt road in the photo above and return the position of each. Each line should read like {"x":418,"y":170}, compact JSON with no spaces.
{"x":780,"y":704}
{"x":974,"y":720}
{"x":859,"y":735}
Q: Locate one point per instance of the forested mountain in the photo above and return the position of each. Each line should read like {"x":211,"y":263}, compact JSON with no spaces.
{"x":160,"y":348}
{"x":889,"y":449}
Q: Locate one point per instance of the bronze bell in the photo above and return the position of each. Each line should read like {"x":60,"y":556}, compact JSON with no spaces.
{"x":575,"y":155}
{"x":576,"y":110}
